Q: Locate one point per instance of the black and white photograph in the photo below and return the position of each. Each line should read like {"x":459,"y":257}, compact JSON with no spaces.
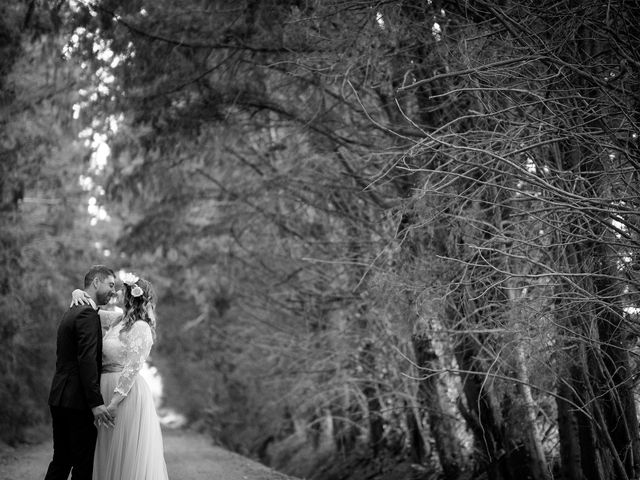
{"x":319,"y":240}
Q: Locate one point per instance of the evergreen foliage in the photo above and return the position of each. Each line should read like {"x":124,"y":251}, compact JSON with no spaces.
{"x":45,"y":239}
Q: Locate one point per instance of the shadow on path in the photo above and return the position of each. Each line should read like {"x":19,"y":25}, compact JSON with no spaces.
{"x":189,"y":456}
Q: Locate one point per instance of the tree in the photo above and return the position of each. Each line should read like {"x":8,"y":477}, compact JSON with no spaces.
{"x":46,"y":238}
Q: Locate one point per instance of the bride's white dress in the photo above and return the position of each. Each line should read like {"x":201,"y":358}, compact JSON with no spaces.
{"x":133,"y":448}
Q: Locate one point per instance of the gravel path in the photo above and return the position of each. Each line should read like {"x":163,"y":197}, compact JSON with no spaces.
{"x":189,"y":456}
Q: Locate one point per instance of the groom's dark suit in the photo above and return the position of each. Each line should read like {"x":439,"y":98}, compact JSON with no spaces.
{"x":75,"y":389}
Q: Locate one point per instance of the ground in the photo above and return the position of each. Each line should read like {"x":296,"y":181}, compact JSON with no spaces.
{"x":189,"y":456}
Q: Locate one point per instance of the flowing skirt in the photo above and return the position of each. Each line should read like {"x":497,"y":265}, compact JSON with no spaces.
{"x":133,"y":449}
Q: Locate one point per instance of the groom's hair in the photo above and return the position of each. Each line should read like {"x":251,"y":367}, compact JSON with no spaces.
{"x":99,"y":271}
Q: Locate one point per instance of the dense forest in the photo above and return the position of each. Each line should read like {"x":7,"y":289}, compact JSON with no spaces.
{"x":392,"y":239}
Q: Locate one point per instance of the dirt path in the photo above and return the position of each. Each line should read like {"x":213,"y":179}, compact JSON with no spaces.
{"x":189,"y":456}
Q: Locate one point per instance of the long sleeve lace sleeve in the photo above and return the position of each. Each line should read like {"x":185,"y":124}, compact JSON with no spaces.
{"x":138,"y":346}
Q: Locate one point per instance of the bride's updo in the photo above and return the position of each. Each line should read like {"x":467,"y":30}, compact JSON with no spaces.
{"x":139,"y":304}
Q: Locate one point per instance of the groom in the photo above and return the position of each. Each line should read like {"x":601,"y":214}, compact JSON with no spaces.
{"x":75,"y":400}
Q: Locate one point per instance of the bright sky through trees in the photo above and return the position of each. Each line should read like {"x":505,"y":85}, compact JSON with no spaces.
{"x":94,"y":136}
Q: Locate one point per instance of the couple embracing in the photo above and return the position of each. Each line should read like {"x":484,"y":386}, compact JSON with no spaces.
{"x":105,"y":425}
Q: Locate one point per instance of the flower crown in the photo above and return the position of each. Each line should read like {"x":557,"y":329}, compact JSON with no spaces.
{"x":131,"y":280}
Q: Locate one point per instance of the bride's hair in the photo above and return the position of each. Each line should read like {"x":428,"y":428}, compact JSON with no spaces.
{"x":138,"y":307}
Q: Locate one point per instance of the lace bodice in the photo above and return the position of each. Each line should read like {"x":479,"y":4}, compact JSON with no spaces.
{"x":126,"y":349}
{"x":109,"y":317}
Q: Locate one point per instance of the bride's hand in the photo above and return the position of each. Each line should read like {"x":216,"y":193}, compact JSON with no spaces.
{"x":112,"y":408}
{"x":79,"y":297}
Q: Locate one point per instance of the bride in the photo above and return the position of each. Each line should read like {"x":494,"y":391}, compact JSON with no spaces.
{"x":133,"y":448}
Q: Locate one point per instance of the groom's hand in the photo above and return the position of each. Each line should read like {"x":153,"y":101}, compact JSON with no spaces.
{"x":103,"y":416}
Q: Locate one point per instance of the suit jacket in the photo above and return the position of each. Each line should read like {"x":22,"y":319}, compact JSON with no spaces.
{"x":76,"y":382}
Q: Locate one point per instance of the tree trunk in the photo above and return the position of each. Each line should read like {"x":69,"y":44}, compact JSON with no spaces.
{"x":570,"y":452}
{"x":536,"y":462}
{"x":601,"y":375}
{"x":430,"y":398}
{"x":370,"y":391}
{"x":417,"y":444}
{"x":482,"y":412}
{"x":589,"y":388}
{"x":618,"y":405}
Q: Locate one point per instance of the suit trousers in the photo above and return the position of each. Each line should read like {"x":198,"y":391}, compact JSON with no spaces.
{"x":74,"y":442}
